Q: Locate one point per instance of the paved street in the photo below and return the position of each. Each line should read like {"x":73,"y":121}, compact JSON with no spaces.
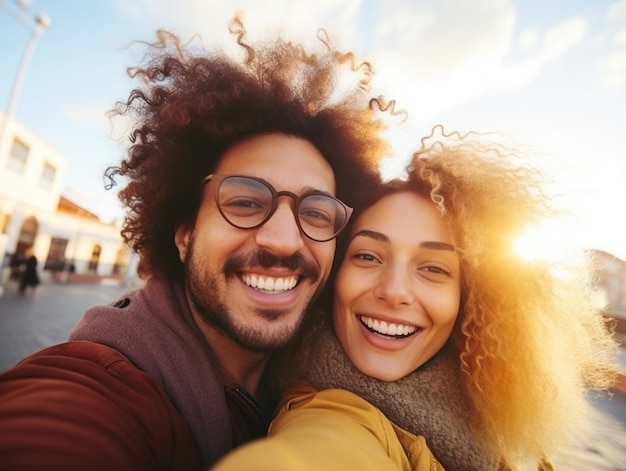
{"x":44,"y":318}
{"x":34,"y":321}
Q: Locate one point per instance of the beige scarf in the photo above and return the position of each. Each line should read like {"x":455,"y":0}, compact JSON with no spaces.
{"x":428,"y":402}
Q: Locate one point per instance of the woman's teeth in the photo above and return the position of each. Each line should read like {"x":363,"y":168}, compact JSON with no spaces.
{"x":387,"y":328}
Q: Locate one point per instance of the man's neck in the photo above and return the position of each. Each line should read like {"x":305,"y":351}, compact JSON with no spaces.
{"x":242,"y":366}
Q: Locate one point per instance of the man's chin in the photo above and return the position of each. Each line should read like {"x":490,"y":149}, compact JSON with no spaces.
{"x":265,"y":347}
{"x":267,"y":340}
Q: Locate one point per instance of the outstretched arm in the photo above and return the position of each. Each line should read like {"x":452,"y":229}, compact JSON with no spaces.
{"x":330,"y":429}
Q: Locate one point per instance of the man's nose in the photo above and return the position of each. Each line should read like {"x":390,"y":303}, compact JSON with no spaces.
{"x":280,"y":234}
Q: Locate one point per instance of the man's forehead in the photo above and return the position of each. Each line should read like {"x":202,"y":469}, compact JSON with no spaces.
{"x":286,"y":162}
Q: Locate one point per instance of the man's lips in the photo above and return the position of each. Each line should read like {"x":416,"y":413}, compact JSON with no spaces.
{"x":276,"y":284}
{"x":388,"y":329}
{"x":248,"y":269}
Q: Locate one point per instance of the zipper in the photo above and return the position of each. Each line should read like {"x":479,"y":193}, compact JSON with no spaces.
{"x":249,"y":400}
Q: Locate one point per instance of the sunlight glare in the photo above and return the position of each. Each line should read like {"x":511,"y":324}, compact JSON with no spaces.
{"x":553,"y":240}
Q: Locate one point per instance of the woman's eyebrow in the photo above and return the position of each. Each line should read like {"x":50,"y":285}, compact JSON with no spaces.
{"x":372,"y":234}
{"x":435,"y":245}
{"x":429,"y":244}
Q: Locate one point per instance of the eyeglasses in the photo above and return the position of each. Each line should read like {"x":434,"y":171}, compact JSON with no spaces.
{"x":248,"y":202}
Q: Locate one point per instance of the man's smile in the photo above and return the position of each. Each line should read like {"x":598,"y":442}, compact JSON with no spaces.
{"x":270,"y":283}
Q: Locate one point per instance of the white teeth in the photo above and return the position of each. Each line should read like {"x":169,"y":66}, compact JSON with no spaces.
{"x":393,"y":329}
{"x":385,"y":328}
{"x":268,"y":283}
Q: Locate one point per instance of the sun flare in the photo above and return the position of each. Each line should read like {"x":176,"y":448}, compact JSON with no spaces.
{"x":553,"y":240}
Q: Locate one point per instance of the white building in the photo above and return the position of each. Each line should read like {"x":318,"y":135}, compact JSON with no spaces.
{"x":34,"y":215}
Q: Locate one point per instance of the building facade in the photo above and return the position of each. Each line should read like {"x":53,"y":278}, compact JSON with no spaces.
{"x":610,"y":287}
{"x":35,"y":217}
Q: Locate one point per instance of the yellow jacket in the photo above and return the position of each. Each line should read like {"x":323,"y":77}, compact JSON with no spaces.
{"x":331,"y":430}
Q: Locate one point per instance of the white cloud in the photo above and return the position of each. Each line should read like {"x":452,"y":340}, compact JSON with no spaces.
{"x":439,"y":55}
{"x":528,"y":40}
{"x":613,"y":69}
{"x":436,"y":55}
{"x":617,"y":11}
{"x":612,"y":63}
{"x":563,"y":36}
{"x":620,"y":38}
{"x":436,"y":38}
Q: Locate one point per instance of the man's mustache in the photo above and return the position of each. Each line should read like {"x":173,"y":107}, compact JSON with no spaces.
{"x":265,"y":259}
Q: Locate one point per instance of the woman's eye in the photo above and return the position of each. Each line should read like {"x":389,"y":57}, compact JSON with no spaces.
{"x":366,"y":257}
{"x":435,"y":270}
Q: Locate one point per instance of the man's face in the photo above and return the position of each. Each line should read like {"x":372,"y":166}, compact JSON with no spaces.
{"x":254,"y":285}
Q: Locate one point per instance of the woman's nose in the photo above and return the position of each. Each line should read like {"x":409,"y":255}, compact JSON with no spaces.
{"x":395,"y":287}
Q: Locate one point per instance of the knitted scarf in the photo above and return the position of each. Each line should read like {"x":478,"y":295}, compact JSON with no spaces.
{"x":154,"y":328}
{"x":428,"y":402}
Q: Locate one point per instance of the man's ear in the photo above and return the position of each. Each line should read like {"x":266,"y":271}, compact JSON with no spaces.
{"x":181,"y":239}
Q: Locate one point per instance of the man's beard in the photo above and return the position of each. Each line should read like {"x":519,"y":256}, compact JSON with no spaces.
{"x":203,"y":288}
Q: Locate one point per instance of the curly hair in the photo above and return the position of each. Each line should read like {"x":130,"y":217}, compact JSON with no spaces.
{"x":194,"y":104}
{"x":530,"y":342}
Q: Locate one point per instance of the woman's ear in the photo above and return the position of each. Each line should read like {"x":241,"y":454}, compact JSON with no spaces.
{"x":181,"y":239}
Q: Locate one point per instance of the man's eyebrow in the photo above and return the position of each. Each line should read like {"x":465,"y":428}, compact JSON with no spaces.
{"x":308,"y":189}
{"x":429,"y":244}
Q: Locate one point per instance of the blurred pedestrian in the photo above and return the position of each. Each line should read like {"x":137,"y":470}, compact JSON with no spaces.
{"x":30,"y":276}
{"x":17,"y":264}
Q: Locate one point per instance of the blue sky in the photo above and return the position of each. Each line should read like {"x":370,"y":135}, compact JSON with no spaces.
{"x":549,"y":74}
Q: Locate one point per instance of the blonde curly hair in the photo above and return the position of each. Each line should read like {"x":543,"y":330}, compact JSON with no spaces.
{"x":530,"y":341}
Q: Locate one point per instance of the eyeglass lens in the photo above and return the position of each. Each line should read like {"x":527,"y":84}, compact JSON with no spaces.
{"x":247,"y":203}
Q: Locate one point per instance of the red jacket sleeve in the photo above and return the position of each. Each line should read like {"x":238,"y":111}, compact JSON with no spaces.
{"x":81,"y":405}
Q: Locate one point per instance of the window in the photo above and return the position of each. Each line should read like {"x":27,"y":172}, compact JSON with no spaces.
{"x":95,"y":257}
{"x":18,"y":156}
{"x":47,"y":177}
{"x":56,"y":254}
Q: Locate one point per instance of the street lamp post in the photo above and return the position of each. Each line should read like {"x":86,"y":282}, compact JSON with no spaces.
{"x":39,"y":23}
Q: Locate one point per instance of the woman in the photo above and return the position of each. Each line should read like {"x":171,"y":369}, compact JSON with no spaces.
{"x":467,"y":349}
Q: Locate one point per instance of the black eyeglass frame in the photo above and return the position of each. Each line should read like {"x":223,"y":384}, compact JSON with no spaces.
{"x":275,"y":195}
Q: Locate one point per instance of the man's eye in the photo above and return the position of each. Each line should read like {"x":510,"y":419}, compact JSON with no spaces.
{"x":241,"y":205}
{"x":316,"y":217}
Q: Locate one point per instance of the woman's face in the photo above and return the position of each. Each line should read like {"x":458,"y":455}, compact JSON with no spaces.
{"x":398,"y":290}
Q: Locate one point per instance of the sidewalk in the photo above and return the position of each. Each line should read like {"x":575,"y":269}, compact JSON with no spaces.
{"x":65,"y":277}
{"x":46,"y":316}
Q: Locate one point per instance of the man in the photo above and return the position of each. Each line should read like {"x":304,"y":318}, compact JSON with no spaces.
{"x":239,"y":177}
